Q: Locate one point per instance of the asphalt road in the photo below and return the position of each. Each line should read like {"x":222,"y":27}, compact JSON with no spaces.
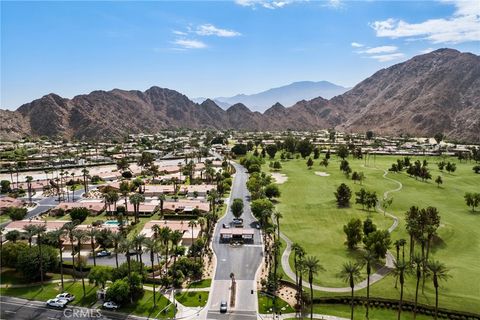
{"x":243,"y":261}
{"x":21,"y":309}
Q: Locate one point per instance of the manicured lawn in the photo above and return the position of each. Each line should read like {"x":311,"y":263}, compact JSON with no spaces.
{"x":144,"y":307}
{"x":312,"y":219}
{"x":11,"y":276}
{"x":205,"y":283}
{"x":49,"y":291}
{"x":265,"y":305}
{"x":192,"y":298}
{"x":4,"y":218}
{"x":359,"y":312}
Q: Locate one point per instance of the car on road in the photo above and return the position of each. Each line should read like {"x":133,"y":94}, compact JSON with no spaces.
{"x":223,"y":307}
{"x":225,"y":226}
{"x":103,"y":253}
{"x":110,"y":305}
{"x":56,"y":303}
{"x":66,"y":296}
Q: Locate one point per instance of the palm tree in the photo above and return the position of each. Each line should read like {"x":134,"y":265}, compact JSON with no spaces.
{"x":85,"y":176}
{"x":175,"y":238}
{"x":164,"y":236}
{"x":299,"y":253}
{"x":135,"y":200}
{"x":399,"y":271}
{"x":368,"y":258}
{"x":312,"y":266}
{"x":350,"y":273}
{"x":278,"y":216}
{"x":126,"y":246}
{"x":73,"y":186}
{"x":80,"y":236}
{"x":152,"y":247}
{"x":417,"y":261}
{"x":439,"y":272}
{"x":138,"y":241}
{"x":70,"y":228}
{"x":162,"y":198}
{"x":39,"y":231}
{"x":29,"y":180}
{"x":124,"y":191}
{"x":58,"y":235}
{"x":92,"y":233}
{"x":30,"y":232}
{"x":192,"y":224}
{"x":116,"y":238}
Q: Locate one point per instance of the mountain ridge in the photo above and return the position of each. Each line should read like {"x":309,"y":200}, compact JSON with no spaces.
{"x":428,"y":94}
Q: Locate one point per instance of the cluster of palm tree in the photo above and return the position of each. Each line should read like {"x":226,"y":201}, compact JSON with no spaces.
{"x":351,"y":274}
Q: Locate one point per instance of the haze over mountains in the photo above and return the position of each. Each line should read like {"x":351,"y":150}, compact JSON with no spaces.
{"x":286,"y":95}
{"x":438,"y":92}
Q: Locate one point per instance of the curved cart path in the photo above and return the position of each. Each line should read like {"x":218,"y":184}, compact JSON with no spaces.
{"x":377,"y":276}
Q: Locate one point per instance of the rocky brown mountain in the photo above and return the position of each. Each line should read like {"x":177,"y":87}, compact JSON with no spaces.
{"x":428,"y":94}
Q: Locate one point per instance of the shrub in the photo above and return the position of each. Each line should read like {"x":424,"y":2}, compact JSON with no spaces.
{"x":119,"y":291}
{"x":79,"y":214}
{"x":16,"y":213}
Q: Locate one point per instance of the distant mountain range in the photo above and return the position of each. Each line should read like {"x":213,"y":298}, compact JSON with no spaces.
{"x":286,"y":95}
{"x":438,"y":92}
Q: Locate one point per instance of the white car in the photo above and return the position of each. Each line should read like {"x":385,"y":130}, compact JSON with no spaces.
{"x":57,"y":303}
{"x":66,"y":296}
{"x":110,"y":305}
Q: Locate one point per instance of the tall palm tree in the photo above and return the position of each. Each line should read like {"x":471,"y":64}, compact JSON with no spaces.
{"x":439,"y":272}
{"x":116,"y":238}
{"x":39,"y":232}
{"x":58,"y":235}
{"x":152,"y":247}
{"x":124,"y":191}
{"x":350,"y":273}
{"x":162,"y":199}
{"x":417,"y":261}
{"x":298,"y":253}
{"x":278,"y":216}
{"x":312,"y":266}
{"x":85,"y":179}
{"x":368,"y":258}
{"x":92,"y":233}
{"x":135,"y":200}
{"x":29,"y":180}
{"x":126,"y":246}
{"x":399,"y":271}
{"x":300,"y":269}
{"x":139,"y":241}
{"x":175,"y":238}
{"x":73,"y":186}
{"x":70,"y":228}
{"x":30,"y":232}
{"x":164,"y":236}
{"x":192,"y":224}
{"x":80,"y":236}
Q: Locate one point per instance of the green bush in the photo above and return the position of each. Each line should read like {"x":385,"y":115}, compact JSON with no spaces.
{"x":16,"y":213}
{"x":79,"y":214}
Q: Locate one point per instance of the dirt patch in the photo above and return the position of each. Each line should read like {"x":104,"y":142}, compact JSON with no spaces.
{"x":322,"y":174}
{"x":279,"y":177}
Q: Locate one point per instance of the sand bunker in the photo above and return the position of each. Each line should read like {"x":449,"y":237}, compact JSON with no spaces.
{"x":279,"y":177}
{"x":321,"y":174}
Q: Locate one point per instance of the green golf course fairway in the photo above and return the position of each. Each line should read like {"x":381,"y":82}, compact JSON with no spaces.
{"x":311,"y":218}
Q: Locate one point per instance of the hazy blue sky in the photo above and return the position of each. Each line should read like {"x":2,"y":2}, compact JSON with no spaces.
{"x":217,"y":48}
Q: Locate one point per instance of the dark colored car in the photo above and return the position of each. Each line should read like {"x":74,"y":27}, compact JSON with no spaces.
{"x":223,"y":307}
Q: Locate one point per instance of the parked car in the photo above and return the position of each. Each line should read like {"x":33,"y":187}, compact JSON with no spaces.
{"x":66,"y":296}
{"x":57,"y":303}
{"x":226,"y":226}
{"x":110,"y":305}
{"x":223,"y":307}
{"x":103,"y":253}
